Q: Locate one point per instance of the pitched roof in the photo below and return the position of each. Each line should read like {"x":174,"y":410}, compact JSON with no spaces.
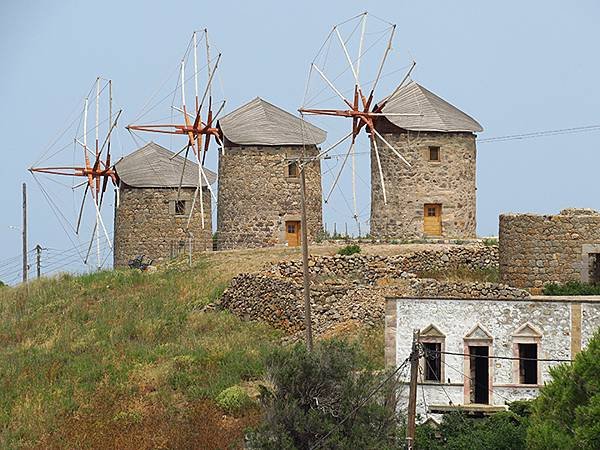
{"x":259,"y":122}
{"x":437,"y":113}
{"x":152,"y":166}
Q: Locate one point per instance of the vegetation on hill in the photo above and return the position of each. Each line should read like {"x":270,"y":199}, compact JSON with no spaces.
{"x":126,"y":359}
{"x":571,"y":288}
{"x":324,"y":399}
{"x":349,"y":249}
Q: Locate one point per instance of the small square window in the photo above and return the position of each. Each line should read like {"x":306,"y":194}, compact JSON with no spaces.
{"x":179,"y":207}
{"x":293,"y":171}
{"x":291,"y":228}
{"x":431,"y":211}
{"x":434,"y":153}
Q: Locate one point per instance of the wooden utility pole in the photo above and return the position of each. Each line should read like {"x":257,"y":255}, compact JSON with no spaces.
{"x":412,"y":395}
{"x":24,"y":233}
{"x":38,"y":260}
{"x":190,"y":247}
{"x":305,"y":277}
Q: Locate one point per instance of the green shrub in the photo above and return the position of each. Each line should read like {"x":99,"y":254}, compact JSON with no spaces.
{"x":566,"y":414}
{"x":234,"y":399}
{"x":490,"y":242}
{"x":312,"y":395}
{"x":349,"y":250}
{"x":501,"y":431}
{"x":571,"y":288}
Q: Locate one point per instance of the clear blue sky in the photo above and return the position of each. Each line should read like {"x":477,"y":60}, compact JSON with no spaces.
{"x":515,"y":66}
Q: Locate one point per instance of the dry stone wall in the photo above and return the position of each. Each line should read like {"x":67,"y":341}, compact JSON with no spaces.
{"x":538,"y":249}
{"x":146,"y":223}
{"x":257,"y":197}
{"x":450,"y":182}
{"x":369,"y":268}
{"x":353,"y":288}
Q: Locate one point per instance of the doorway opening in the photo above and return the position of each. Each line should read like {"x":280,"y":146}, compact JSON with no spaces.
{"x":432,"y":219}
{"x":292,"y":233}
{"x":480,"y":373}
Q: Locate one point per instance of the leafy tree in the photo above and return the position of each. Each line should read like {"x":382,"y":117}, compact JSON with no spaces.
{"x":566,"y":414}
{"x":313,"y":393}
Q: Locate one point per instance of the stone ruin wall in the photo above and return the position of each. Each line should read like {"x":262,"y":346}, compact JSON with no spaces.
{"x":370,"y":268}
{"x":451,"y":182}
{"x":352,"y":289}
{"x":539,"y":249}
{"x":146,"y":224}
{"x":256,"y":196}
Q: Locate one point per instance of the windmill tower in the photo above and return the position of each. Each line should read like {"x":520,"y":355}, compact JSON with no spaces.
{"x":197,"y":118}
{"x":351,"y":84}
{"x":154,"y":217}
{"x":259,"y":187}
{"x":422,"y":149}
{"x":435,"y":195}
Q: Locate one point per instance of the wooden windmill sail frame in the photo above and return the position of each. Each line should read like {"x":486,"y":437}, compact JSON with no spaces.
{"x":98,"y":174}
{"x":197,"y":129}
{"x":361,"y":108}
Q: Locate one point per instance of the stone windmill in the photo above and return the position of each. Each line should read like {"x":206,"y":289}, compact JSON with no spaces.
{"x":407,"y":196}
{"x":259,"y":187}
{"x":197,"y":118}
{"x":436,"y":194}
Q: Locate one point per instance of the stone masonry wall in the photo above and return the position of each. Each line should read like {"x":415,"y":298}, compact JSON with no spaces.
{"x":450,"y":182}
{"x":370,"y":268}
{"x":256,"y":196}
{"x":279,"y":301}
{"x":538,"y":249}
{"x":353,"y":288}
{"x":146,"y":224}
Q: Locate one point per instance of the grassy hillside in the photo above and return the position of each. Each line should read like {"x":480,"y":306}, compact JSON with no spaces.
{"x":126,"y":359}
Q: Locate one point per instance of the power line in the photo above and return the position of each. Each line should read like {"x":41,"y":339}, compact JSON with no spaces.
{"x":475,"y":381}
{"x":536,"y":134}
{"x":512,"y":358}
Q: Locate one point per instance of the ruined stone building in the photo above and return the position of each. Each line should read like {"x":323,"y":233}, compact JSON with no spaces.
{"x":481,"y":353}
{"x":151,"y":217}
{"x":259,"y":188}
{"x":436,"y":195}
{"x":538,"y":249}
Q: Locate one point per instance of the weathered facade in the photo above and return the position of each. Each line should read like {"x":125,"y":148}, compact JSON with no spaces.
{"x":151,"y":218}
{"x":503,"y":342}
{"x":539,"y":249}
{"x":259,"y":183}
{"x":436,"y":194}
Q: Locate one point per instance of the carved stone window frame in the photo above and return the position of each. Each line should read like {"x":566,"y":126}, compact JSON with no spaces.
{"x":477,"y":336}
{"x":526,"y":334}
{"x":433,"y":335}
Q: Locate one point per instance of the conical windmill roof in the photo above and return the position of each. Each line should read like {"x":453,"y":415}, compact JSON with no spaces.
{"x":436,"y":113}
{"x":259,"y":122}
{"x":151,"y":166}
